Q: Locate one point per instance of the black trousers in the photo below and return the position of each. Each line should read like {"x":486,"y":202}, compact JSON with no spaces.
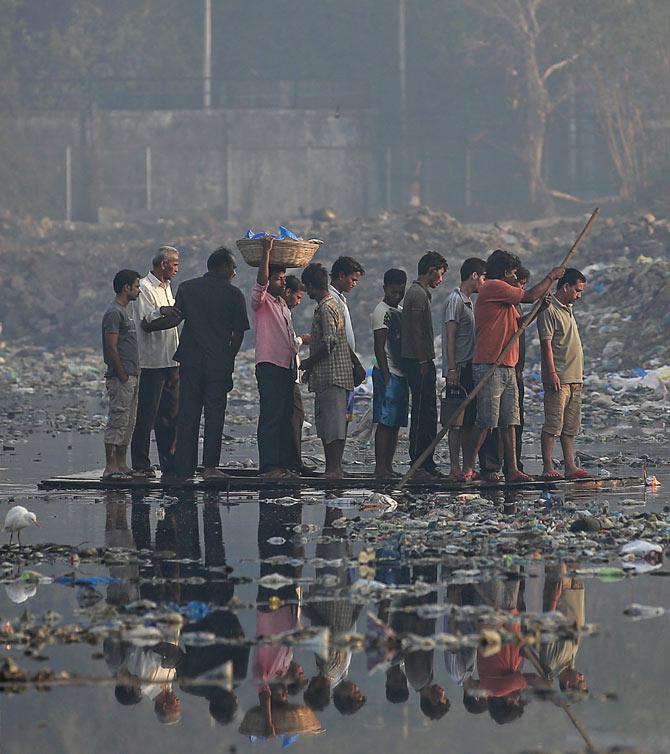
{"x":200,"y":389}
{"x":275,"y":419}
{"x":157,"y":409}
{"x":423,"y":422}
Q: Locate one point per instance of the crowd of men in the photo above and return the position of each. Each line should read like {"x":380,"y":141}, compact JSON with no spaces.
{"x":169,"y":360}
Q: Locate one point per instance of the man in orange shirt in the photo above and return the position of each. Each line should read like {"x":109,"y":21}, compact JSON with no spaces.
{"x":496,"y":321}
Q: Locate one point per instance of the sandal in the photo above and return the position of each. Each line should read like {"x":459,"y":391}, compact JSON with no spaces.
{"x":553,"y":474}
{"x":470,"y":476}
{"x":579,"y":474}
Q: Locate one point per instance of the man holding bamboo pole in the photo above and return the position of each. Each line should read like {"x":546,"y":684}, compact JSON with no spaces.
{"x":496,"y":321}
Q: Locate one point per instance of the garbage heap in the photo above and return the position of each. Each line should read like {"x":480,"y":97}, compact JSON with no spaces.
{"x":56,"y":276}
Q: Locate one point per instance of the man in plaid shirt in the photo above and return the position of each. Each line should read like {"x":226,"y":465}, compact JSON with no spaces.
{"x":328,"y":369}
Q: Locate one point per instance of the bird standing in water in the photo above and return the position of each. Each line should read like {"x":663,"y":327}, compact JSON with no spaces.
{"x":18,"y":518}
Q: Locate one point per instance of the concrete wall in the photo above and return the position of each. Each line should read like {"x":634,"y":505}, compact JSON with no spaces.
{"x":252,"y":164}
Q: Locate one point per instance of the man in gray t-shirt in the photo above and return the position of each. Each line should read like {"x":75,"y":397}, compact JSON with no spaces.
{"x":458,"y":345}
{"x":119,"y":348}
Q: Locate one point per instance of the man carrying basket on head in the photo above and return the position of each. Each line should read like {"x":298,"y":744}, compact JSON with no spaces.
{"x":275,"y":367}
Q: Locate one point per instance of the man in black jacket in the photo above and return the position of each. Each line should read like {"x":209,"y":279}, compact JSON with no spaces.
{"x":215,"y":320}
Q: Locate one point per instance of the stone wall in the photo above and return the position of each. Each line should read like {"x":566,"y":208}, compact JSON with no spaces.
{"x":253,"y":165}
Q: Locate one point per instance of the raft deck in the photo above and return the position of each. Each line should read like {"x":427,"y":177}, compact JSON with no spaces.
{"x":250,"y":480}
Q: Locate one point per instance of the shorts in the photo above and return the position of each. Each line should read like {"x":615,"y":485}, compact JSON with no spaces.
{"x":563,"y":410}
{"x":330,"y":414}
{"x":122,"y":410}
{"x":466,"y":382}
{"x":498,"y":400}
{"x":390,"y":403}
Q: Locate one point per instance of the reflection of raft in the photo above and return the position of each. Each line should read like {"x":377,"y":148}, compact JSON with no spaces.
{"x":249,"y":479}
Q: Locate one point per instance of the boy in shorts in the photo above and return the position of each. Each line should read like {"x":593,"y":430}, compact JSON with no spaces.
{"x":390,"y":392}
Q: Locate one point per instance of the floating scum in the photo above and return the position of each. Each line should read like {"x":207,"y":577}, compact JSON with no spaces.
{"x":473,"y":394}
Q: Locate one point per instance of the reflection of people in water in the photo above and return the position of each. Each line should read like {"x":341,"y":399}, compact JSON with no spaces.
{"x":417,"y":664}
{"x":329,"y":606}
{"x":146,"y":672}
{"x":501,"y":680}
{"x":278,"y":610}
{"x":565,"y":594}
{"x":461,"y":663}
{"x":124,"y":587}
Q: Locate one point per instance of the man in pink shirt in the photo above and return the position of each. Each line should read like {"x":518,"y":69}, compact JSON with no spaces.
{"x":275,"y":368}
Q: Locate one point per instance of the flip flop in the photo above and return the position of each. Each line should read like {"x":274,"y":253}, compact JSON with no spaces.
{"x":552,"y":475}
{"x":580,"y":474}
{"x":520,"y":477}
{"x":470,"y":476}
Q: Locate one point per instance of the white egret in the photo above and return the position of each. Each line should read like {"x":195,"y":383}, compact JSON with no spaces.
{"x":18,"y":518}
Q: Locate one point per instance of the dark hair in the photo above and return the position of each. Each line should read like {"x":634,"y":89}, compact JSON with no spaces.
{"x":315,"y":274}
{"x":472,"y":264}
{"x":502,"y":712}
{"x":523,"y":273}
{"x":500,"y":262}
{"x":294,"y":284}
{"x":571,"y":276}
{"x":431,"y":259}
{"x":295,"y":686}
{"x":276,"y":268}
{"x":128,"y":695}
{"x":397,"y":694}
{"x":432,"y":709}
{"x":345,"y":703}
{"x":475,"y":705}
{"x":345,"y":266}
{"x":223,"y":706}
{"x":317,"y":693}
{"x":123,"y":278}
{"x":395,"y":276}
{"x":222,"y":257}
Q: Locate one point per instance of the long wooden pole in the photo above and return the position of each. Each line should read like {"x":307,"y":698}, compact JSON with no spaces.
{"x":473,"y":394}
{"x":531,"y":655}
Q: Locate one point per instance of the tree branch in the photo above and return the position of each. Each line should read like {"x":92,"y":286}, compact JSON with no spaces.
{"x":554,"y":67}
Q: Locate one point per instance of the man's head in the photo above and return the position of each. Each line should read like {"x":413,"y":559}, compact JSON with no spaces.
{"x":294,"y":291}
{"x":432,"y":268}
{"x":167,"y":707}
{"x":222,"y":262}
{"x":433,"y":701}
{"x":474,"y":704}
{"x":506,"y":709}
{"x":317,"y":693}
{"x":347,"y":698}
{"x":127,"y":284}
{"x":473,"y":272}
{"x":522,"y":277}
{"x":279,"y":694}
{"x":502,"y":265}
{"x":315,"y":280}
{"x":295,"y":678}
{"x":276,"y":280}
{"x":128,"y":694}
{"x":223,"y":706}
{"x":394,"y":286}
{"x":571,"y":286}
{"x":571,"y":680}
{"x":165,"y":265}
{"x":345,"y":274}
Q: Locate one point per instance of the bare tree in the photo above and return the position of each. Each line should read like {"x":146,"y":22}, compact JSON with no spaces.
{"x":537,"y":45}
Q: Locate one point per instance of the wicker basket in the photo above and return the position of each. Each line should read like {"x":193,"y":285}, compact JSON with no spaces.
{"x":289,"y":719}
{"x":285,"y":253}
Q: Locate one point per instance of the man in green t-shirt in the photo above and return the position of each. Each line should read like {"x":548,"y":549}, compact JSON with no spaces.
{"x":562,"y":374}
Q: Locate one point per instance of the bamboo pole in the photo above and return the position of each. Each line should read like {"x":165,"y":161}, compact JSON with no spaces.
{"x":508,"y":347}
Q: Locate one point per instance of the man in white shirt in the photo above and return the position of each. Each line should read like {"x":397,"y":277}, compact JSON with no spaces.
{"x":158,"y":338}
